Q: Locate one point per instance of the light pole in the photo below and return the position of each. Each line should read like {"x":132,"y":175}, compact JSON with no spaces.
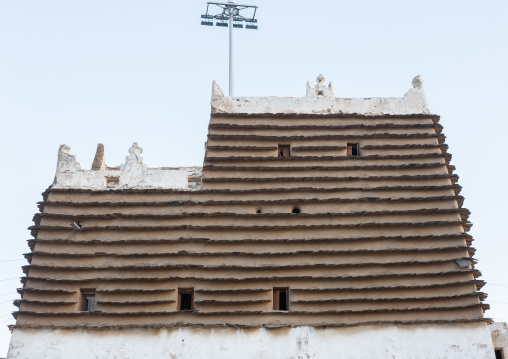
{"x":230,"y":17}
{"x":231,"y":59}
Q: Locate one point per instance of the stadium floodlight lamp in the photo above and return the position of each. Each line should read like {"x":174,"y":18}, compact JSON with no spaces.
{"x":230,"y":16}
{"x":207,"y":20}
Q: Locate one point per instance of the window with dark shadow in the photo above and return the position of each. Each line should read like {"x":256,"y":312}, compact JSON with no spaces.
{"x":353,"y":149}
{"x":280,"y":299}
{"x":186,"y":299}
{"x":284,"y":150}
{"x":87,"y":300}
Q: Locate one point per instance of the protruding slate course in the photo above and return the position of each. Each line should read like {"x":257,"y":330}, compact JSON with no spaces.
{"x":315,"y":212}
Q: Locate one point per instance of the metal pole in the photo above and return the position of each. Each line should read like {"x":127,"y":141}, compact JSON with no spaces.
{"x":232,"y":11}
{"x":231,"y":15}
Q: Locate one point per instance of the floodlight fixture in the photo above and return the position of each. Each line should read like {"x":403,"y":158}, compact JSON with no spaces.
{"x":207,"y":20}
{"x":230,"y":16}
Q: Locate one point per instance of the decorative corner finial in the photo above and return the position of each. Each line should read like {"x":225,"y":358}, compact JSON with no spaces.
{"x":64,"y":149}
{"x":216,"y":91}
{"x":417,"y":82}
{"x":135,"y":150}
{"x":134,"y":158}
{"x":99,"y":164}
{"x":66,"y":161}
{"x":320,"y":88}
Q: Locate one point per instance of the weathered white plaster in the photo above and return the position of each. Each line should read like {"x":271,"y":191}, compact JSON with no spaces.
{"x":320,"y":89}
{"x":499,"y":332}
{"x":216,"y":91}
{"x":132,"y":174}
{"x":320,"y":100}
{"x":66,"y":161}
{"x":471,"y":341}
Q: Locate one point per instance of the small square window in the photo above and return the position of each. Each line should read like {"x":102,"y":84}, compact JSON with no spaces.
{"x":87,"y":300}
{"x":353,"y":149}
{"x":284,"y":150}
{"x":186,"y":299}
{"x":280,"y":299}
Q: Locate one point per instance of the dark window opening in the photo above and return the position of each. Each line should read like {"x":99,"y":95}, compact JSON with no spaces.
{"x":258,"y":211}
{"x":186,"y":299}
{"x":284,"y":150}
{"x":499,"y":353}
{"x":295,"y":210}
{"x":280,"y":299}
{"x":88,"y":301}
{"x":353,"y":149}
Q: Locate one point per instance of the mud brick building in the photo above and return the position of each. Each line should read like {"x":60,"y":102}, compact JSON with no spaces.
{"x":318,"y":227}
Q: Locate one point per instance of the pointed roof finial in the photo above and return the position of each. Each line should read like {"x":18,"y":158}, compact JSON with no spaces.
{"x":99,"y":164}
{"x":216,"y":91}
{"x":320,"y":88}
{"x":66,"y":161}
{"x":417,"y":82}
{"x":135,"y":150}
{"x":134,"y":159}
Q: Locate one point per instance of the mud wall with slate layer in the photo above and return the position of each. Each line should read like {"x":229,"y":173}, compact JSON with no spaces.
{"x":380,"y":237}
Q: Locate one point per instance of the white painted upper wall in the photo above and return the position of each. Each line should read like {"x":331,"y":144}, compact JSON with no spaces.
{"x":132,"y":174}
{"x":320,"y":100}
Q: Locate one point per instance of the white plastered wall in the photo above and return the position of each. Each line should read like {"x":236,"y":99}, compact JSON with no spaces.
{"x":426,"y":341}
{"x":499,"y":332}
{"x":132,"y":174}
{"x":321,"y":100}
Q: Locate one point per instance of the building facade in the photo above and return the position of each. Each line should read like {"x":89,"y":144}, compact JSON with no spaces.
{"x":318,"y":227}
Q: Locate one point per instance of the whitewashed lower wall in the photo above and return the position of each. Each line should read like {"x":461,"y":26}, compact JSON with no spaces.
{"x":442,"y":341}
{"x":499,"y":332}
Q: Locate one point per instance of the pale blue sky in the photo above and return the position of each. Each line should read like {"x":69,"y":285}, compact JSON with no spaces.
{"x":119,"y":71}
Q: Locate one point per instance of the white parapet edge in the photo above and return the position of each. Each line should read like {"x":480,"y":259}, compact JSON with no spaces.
{"x":457,"y":341}
{"x":320,"y":100}
{"x":133,"y":174}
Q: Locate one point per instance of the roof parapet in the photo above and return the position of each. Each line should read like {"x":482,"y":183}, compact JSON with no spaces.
{"x":321,"y":100}
{"x":131,"y":174}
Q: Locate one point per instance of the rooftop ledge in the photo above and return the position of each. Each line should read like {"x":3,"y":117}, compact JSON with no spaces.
{"x":132,"y":174}
{"x":320,"y":100}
